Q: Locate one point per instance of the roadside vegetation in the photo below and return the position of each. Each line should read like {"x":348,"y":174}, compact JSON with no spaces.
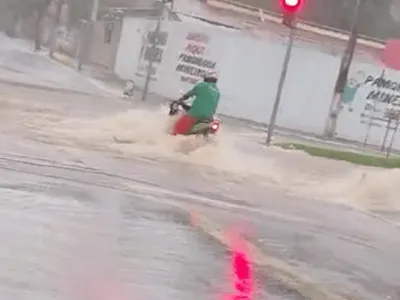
{"x":351,"y":157}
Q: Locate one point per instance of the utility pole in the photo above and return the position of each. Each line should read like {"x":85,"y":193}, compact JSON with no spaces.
{"x":336,"y":103}
{"x":82,"y":43}
{"x":95,"y":11}
{"x":153,"y":51}
{"x":86,"y":36}
{"x":41,"y":9}
{"x":53,"y":34}
{"x":93,"y":20}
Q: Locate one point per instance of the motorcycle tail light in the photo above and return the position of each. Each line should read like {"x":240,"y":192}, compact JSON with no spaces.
{"x":215,"y":126}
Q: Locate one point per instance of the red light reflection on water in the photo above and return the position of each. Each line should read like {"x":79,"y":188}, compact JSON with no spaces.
{"x":91,"y":282}
{"x":241,"y":268}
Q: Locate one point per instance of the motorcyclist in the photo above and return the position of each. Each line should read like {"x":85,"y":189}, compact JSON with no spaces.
{"x":204,"y":105}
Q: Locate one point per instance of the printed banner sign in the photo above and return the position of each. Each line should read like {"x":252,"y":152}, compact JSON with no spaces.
{"x":193,"y":62}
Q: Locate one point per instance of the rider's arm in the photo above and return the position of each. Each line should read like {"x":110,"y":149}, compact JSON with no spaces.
{"x":191,"y":93}
{"x":187,"y":96}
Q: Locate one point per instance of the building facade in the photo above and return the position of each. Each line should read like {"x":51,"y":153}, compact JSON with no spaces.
{"x":249,"y":64}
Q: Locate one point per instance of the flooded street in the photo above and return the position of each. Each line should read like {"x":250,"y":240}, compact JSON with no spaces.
{"x":55,"y":230}
{"x":70,"y":229}
{"x":97,"y":204}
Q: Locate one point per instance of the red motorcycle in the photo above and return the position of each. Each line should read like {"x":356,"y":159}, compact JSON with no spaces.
{"x":202,"y":127}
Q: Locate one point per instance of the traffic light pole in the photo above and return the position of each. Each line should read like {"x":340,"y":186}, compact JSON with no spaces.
{"x":271,"y":124}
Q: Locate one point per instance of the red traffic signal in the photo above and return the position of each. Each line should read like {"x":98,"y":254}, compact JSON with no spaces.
{"x":290,"y":10}
{"x":291,"y":6}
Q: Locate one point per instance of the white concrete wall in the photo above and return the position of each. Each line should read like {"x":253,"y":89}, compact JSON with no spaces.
{"x":131,"y":41}
{"x":249,"y":68}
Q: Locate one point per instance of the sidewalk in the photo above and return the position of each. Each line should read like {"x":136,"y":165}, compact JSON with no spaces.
{"x":107,"y":80}
{"x":101,"y":77}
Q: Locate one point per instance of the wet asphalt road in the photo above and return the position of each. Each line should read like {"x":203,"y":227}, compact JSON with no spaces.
{"x":51,"y":229}
{"x":77,"y":220}
{"x":69,"y":230}
{"x":62,"y":220}
{"x":71,"y":206}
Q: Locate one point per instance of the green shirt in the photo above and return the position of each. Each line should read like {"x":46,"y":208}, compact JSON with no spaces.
{"x":206,"y":100}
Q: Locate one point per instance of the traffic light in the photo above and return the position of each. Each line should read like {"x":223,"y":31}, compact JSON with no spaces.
{"x":290,"y":10}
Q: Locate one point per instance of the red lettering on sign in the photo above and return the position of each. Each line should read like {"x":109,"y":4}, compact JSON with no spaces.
{"x":198,"y":37}
{"x":195,"y":49}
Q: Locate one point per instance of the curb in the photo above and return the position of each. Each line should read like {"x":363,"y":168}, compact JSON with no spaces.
{"x":47,"y":88}
{"x":64,"y":59}
{"x":283,"y":271}
{"x":70,"y":63}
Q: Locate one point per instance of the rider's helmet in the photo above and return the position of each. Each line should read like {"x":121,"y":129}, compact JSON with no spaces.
{"x":211,"y":76}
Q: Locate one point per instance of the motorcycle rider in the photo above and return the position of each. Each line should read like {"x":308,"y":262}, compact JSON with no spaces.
{"x":204,"y":105}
